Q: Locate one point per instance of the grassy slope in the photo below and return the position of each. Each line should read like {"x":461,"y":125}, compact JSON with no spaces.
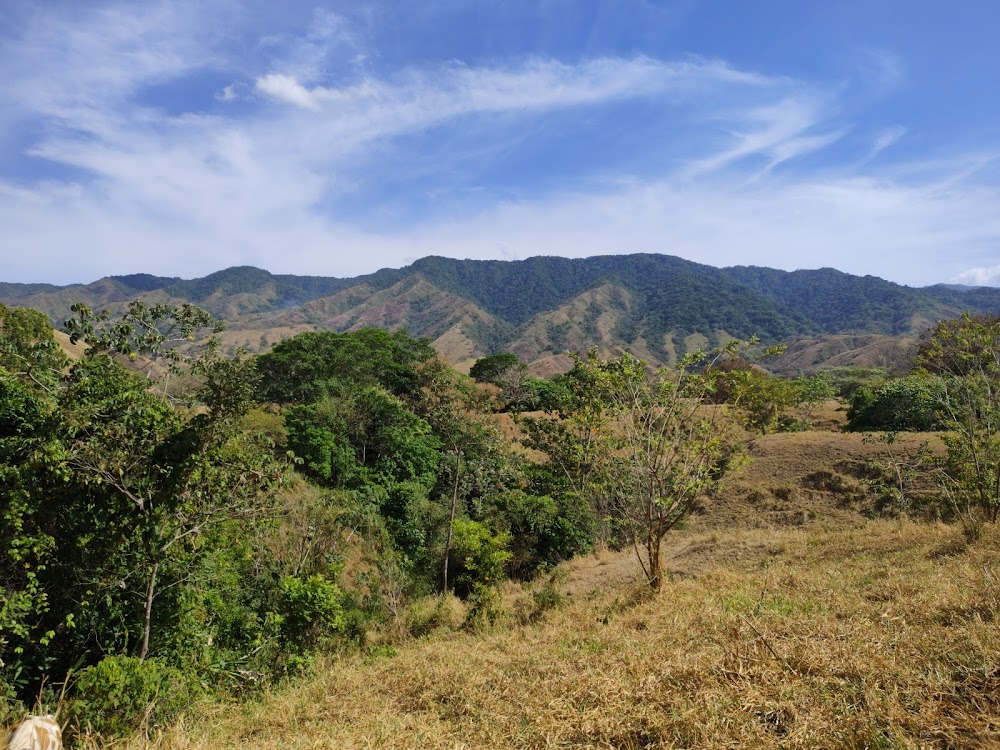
{"x":790,"y":621}
{"x":882,"y":636}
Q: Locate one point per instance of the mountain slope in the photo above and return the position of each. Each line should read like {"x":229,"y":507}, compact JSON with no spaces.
{"x":655,"y":305}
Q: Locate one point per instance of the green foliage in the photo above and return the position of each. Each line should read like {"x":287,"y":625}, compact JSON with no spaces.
{"x":846,"y":380}
{"x":116,"y":503}
{"x":28,"y":350}
{"x":546,"y":394}
{"x":155,"y":331}
{"x":673,"y":452}
{"x":576,"y":438}
{"x":311,"y":610}
{"x":961,"y":346}
{"x":310,"y":366}
{"x":910,"y":403}
{"x":543,"y":530}
{"x":478,"y":557}
{"x":367,"y":438}
{"x":510,"y":375}
{"x":650,"y":443}
{"x":121,"y":694}
{"x":965,"y":353}
{"x":490,"y":369}
{"x":270,"y":424}
{"x":764,"y":400}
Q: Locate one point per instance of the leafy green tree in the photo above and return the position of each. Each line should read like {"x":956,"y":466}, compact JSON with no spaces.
{"x":966,"y":354}
{"x":510,"y":375}
{"x":307,"y":367}
{"x":115,"y":497}
{"x":28,"y":350}
{"x":911,"y":403}
{"x":845,"y":380}
{"x":576,"y":438}
{"x":492,"y":368}
{"x":366,"y":438}
{"x":543,"y":530}
{"x":671,"y":447}
{"x":762,"y":399}
{"x":959,"y":346}
{"x":457,"y":412}
{"x":544,"y":394}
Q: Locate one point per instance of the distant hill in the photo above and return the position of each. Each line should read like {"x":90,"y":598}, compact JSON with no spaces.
{"x":657,"y":306}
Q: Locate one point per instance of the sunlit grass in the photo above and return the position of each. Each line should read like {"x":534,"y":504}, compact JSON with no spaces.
{"x":882,"y":636}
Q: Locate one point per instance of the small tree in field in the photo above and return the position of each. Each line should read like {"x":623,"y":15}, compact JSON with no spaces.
{"x":671,"y":447}
{"x":966,"y":354}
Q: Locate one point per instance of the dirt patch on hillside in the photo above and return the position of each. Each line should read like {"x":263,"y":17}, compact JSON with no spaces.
{"x":800,"y":478}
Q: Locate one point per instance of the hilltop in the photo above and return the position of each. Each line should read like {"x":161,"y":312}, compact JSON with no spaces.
{"x":656,"y":306}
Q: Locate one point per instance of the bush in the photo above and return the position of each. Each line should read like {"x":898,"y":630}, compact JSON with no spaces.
{"x":478,"y":557}
{"x":847,"y":379}
{"x":120,"y":694}
{"x":544,"y":531}
{"x":312,"y":611}
{"x":910,"y":403}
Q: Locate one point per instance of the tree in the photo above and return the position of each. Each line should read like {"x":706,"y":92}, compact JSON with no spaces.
{"x":456,"y":410}
{"x":672,"y":447}
{"x":312,"y":365}
{"x":368,"y":437}
{"x":959,"y":346}
{"x":490,"y":369}
{"x":910,"y":403}
{"x":507,"y":373}
{"x":966,"y":355}
{"x":577,"y":438}
{"x":28,"y":350}
{"x":112,"y":496}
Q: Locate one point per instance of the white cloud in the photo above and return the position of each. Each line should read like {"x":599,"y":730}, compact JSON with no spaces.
{"x":287,"y":89}
{"x":254,"y":181}
{"x":416,"y":98}
{"x":777,"y":132}
{"x":883,"y":140}
{"x":978,"y":277}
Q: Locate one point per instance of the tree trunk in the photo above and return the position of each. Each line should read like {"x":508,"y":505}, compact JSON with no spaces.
{"x":147,"y":617}
{"x":451,"y":521}
{"x":655,"y":569}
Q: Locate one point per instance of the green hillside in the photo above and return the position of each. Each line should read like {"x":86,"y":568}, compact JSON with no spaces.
{"x":470,"y":307}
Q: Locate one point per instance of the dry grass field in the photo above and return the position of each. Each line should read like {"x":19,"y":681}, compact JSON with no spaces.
{"x":883,"y":635}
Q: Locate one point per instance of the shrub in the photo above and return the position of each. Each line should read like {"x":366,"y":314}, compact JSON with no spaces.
{"x":432,"y":613}
{"x":120,"y":694}
{"x":312,"y":610}
{"x":910,"y":403}
{"x":478,"y":557}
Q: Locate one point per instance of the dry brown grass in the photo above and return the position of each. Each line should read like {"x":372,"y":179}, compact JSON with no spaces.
{"x":810,"y":478}
{"x":883,"y":636}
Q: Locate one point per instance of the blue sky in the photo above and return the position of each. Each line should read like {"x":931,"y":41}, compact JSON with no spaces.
{"x":337,"y":138}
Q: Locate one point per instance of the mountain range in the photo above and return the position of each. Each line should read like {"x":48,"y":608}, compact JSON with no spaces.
{"x":656,"y":306}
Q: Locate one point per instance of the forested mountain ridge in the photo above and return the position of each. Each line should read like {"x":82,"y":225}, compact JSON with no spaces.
{"x":657,"y":305}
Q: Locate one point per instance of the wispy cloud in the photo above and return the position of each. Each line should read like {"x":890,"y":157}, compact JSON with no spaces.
{"x":883,"y":140}
{"x":259,"y":162}
{"x":776,"y":132}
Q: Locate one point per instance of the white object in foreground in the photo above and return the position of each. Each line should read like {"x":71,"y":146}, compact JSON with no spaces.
{"x":36,"y":733}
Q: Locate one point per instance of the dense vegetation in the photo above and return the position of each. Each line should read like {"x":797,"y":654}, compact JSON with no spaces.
{"x":176,"y":522}
{"x":660,"y":299}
